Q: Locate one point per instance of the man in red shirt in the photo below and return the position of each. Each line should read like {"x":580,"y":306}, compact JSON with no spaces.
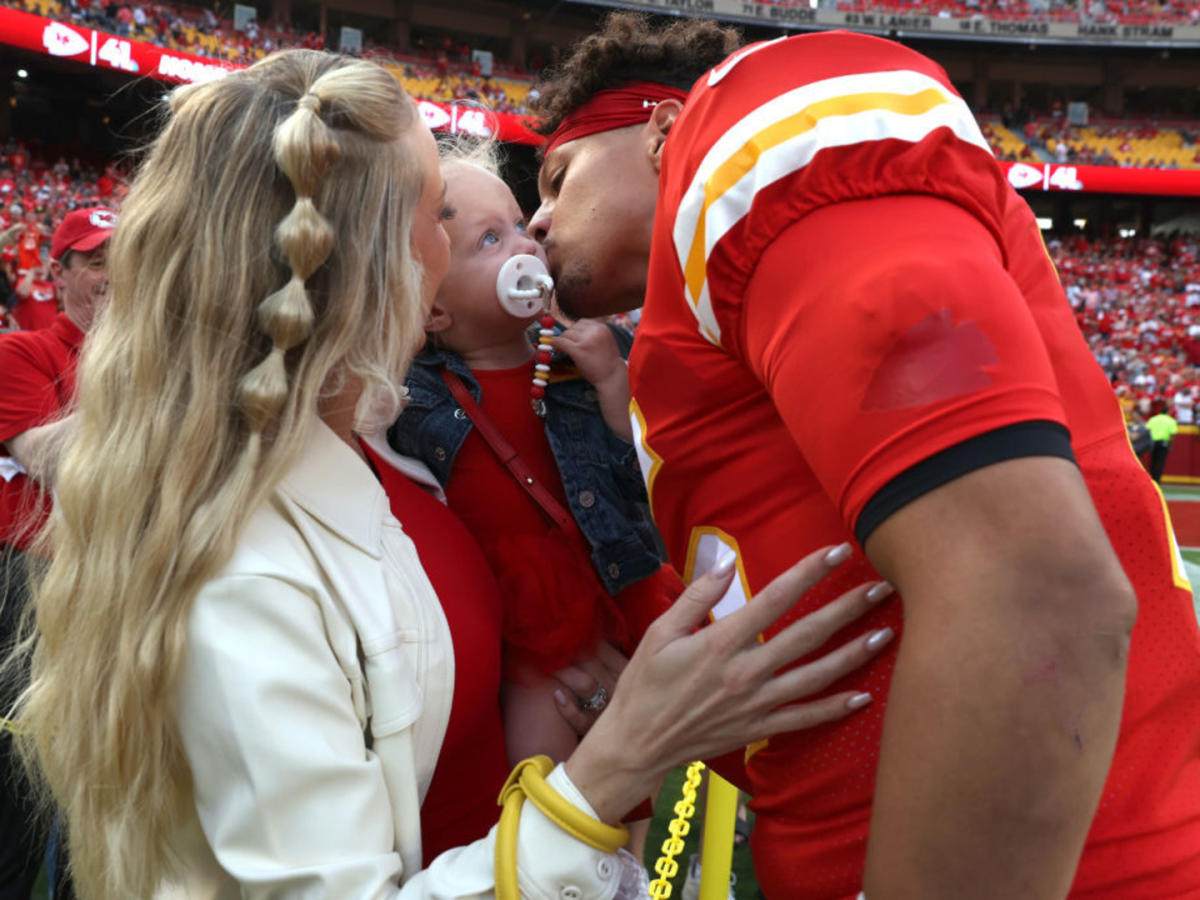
{"x":852,"y":330}
{"x":29,"y":243}
{"x":38,"y":372}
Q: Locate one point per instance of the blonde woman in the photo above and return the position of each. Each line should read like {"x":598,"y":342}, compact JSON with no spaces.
{"x":240,"y":674}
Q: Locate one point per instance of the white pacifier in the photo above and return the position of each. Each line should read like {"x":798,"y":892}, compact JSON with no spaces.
{"x":523,"y":286}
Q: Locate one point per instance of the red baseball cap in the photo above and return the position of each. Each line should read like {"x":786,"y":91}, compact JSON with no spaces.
{"x":83,"y":230}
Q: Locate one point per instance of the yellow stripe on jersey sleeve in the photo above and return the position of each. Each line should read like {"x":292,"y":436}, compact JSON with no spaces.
{"x":739,"y":165}
{"x":782,"y":136}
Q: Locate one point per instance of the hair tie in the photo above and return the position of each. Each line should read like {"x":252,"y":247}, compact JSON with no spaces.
{"x":310,"y":101}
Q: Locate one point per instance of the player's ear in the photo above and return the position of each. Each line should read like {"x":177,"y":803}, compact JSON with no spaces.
{"x":658,"y":127}
{"x":438,"y":320}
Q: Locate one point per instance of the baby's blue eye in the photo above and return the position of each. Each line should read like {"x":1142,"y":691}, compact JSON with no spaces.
{"x":490,"y":237}
{"x":522,"y":226}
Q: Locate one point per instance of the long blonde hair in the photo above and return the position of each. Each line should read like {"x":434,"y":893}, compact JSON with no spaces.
{"x":262,"y":258}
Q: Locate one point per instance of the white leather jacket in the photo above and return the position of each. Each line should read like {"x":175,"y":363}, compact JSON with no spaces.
{"x":312,"y":707}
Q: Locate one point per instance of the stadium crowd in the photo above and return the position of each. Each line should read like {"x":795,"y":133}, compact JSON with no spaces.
{"x":1137,"y":301}
{"x":36,"y":193}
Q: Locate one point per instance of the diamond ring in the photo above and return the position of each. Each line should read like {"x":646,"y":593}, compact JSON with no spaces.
{"x":596,"y":702}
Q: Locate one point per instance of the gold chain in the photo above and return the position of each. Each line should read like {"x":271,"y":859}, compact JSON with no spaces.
{"x":666,"y":867}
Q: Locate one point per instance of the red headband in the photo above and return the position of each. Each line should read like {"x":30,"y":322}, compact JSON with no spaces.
{"x":614,"y":108}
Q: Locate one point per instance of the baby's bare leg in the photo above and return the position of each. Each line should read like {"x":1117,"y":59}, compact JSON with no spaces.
{"x":532,"y":722}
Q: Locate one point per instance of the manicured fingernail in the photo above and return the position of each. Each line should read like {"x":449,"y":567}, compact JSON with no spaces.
{"x":881,"y":590}
{"x":724,"y":566}
{"x":880,"y":639}
{"x":858,"y":701}
{"x":560,"y":698}
{"x":838,"y":554}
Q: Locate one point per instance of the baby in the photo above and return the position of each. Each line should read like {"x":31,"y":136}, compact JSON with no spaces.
{"x":531,"y":446}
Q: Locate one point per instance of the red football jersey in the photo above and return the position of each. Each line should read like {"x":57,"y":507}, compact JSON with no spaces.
{"x":844,"y":293}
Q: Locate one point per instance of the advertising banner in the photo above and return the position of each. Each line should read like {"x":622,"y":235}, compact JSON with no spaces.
{"x":978,"y":27}
{"x":90,"y":47}
{"x":1102,"y":179}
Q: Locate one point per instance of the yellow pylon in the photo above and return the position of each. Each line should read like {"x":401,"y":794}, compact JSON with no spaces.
{"x":716,"y":855}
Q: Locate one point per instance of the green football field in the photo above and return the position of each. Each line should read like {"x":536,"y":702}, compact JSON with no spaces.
{"x":1191,"y":555}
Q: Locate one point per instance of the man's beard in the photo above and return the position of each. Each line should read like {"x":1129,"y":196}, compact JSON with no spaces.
{"x":572,"y":290}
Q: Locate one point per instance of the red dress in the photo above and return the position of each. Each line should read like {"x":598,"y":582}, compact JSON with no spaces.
{"x":460,"y":806}
{"x":555,"y":606}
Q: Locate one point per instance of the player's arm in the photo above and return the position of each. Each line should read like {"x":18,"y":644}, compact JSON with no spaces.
{"x":1007,"y":693}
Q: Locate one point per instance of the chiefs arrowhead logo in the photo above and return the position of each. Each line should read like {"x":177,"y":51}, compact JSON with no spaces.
{"x":934,"y":360}
{"x":103,"y":218}
{"x":60,"y":40}
{"x":1023,"y":175}
{"x":433,"y":115}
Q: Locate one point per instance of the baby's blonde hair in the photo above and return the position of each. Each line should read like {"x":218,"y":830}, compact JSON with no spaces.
{"x":455,"y":150}
{"x":262,"y":260}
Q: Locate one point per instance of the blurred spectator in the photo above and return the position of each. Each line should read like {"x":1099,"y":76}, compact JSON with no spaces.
{"x":37,"y":299}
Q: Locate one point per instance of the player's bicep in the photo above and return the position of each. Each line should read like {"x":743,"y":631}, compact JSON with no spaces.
{"x":898,"y":351}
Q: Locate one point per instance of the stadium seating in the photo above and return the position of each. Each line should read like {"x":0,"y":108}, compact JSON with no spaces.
{"x":1128,"y":144}
{"x":1005,"y":143}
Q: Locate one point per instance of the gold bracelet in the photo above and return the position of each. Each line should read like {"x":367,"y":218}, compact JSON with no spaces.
{"x":528,"y":779}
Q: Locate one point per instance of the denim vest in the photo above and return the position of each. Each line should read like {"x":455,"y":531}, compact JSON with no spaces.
{"x":599,"y":470}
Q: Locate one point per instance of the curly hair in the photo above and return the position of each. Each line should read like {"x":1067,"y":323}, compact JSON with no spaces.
{"x":628,"y":48}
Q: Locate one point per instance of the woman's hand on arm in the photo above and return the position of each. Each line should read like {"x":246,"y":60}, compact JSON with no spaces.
{"x":689,"y":694}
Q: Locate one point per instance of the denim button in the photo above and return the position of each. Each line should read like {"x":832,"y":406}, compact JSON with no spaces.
{"x":590,"y":394}
{"x":440,"y":453}
{"x":614,"y":571}
{"x":460,"y":413}
{"x":587,"y":499}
